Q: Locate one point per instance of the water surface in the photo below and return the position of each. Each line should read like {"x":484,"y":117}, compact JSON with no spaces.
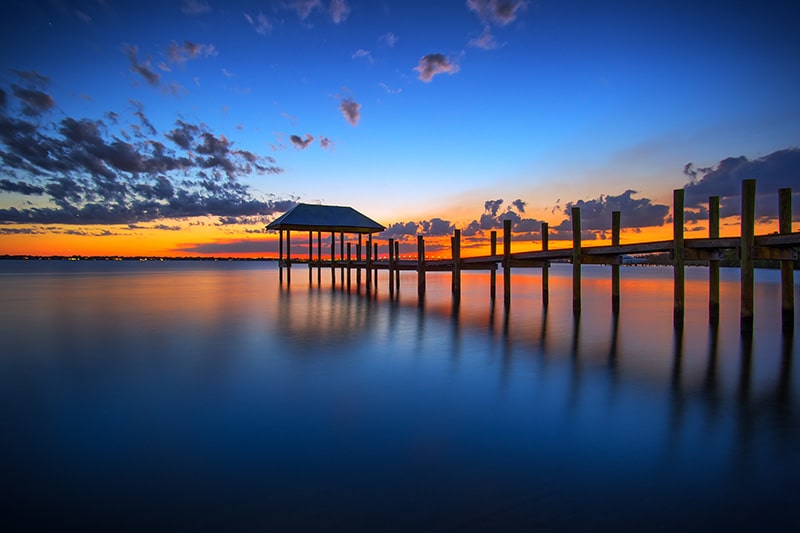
{"x":207,"y":396}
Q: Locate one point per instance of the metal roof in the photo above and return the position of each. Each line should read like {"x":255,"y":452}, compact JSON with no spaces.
{"x":315,"y":217}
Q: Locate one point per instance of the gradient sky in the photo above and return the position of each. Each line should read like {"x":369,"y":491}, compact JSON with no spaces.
{"x":183,"y":127}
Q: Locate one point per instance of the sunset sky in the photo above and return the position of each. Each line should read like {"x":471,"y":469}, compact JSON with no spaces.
{"x":183,"y":127}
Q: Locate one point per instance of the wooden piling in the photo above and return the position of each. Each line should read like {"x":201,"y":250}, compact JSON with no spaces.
{"x":319,"y":258}
{"x":615,"y":231}
{"x":748,"y":221}
{"x":713,"y":263}
{"x":545,"y":266}
{"x":397,"y":265}
{"x":391,"y":266}
{"x":787,"y":265}
{"x":493,"y":273}
{"x":341,"y":257}
{"x":349,"y":258}
{"x":576,"y":260}
{"x":358,"y":258}
{"x":677,"y":257}
{"x":333,"y":259}
{"x":369,"y":263}
{"x":375,"y":255}
{"x":456,"y":245}
{"x":280,"y":256}
{"x":310,"y":256}
{"x":507,"y":262}
{"x":420,"y":266}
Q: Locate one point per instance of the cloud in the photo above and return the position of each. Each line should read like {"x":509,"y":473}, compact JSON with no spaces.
{"x":365,"y":54}
{"x":87,"y":171}
{"x":433,"y":64}
{"x":634,"y":213}
{"x":339,"y":11}
{"x":432,"y":227}
{"x":33,"y":102}
{"x":143,"y":69}
{"x":261,"y":23}
{"x":194,"y":7}
{"x":494,"y":215}
{"x":389,"y":38}
{"x":772,"y":172}
{"x":499,"y":12}
{"x":180,"y":53}
{"x":300,"y":142}
{"x":389,"y":89}
{"x":303,"y":8}
{"x":325,"y":142}
{"x":485,"y":40}
{"x":351,"y":111}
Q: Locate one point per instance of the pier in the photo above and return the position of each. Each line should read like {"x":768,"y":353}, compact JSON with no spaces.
{"x":781,"y":246}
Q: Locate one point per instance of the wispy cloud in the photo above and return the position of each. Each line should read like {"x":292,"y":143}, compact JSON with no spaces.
{"x":351,"y":111}
{"x":180,"y":53}
{"x":339,"y":11}
{"x":433,"y":64}
{"x":363,"y":54}
{"x":499,"y":12}
{"x":195,"y":7}
{"x":303,"y":8}
{"x":390,"y":39}
{"x":485,"y":41}
{"x":260,"y":23}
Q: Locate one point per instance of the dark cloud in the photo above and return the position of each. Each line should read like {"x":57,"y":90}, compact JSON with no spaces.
{"x":143,"y":69}
{"x":494,"y":215}
{"x":433,"y":64}
{"x":432,"y":227}
{"x":634,"y":213}
{"x":82,"y":172}
{"x":180,"y":53}
{"x":774,"y":171}
{"x":301,"y":142}
{"x":499,"y":12}
{"x":351,"y":111}
{"x":33,"y":102}
{"x":325,"y":142}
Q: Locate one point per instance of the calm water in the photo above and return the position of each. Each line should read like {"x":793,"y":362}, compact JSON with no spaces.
{"x":202,"y":396}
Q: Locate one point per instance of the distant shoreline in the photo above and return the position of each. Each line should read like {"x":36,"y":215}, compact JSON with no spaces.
{"x":126,"y":258}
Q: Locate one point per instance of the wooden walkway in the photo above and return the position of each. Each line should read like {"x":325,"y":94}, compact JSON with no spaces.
{"x":782,"y":246}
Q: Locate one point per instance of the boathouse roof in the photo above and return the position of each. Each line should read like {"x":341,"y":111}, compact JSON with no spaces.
{"x":315,"y":217}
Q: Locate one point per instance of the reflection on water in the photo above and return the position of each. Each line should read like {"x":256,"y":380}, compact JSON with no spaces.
{"x":208,"y":396}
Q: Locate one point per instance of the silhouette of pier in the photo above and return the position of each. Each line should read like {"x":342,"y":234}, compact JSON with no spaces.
{"x":781,"y":246}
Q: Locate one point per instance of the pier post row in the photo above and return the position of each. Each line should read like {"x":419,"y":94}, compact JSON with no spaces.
{"x":780,"y":246}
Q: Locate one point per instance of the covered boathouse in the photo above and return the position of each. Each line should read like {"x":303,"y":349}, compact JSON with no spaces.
{"x":318,"y":218}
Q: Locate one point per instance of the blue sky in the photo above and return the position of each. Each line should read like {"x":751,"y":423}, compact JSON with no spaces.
{"x":413,"y":110}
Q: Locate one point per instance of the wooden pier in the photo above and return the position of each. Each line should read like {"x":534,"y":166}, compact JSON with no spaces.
{"x":782,"y":246}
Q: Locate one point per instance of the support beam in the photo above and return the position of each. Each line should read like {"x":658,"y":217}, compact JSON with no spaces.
{"x":615,"y":230}
{"x":787,"y":266}
{"x":713,"y":264}
{"x":493,"y":274}
{"x":746,"y":252}
{"x":456,"y":245}
{"x":507,"y":262}
{"x":420,"y":267}
{"x":545,"y":266}
{"x":677,"y":257}
{"x":576,"y":260}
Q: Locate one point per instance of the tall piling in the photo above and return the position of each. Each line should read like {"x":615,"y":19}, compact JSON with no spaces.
{"x":748,"y":220}
{"x":615,"y":231}
{"x":787,"y":265}
{"x":545,"y":266}
{"x":677,"y":257}
{"x":507,"y":262}
{"x":713,"y":263}
{"x":576,"y":260}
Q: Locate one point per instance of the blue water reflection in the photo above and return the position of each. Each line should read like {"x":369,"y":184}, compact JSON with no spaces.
{"x":205,"y":396}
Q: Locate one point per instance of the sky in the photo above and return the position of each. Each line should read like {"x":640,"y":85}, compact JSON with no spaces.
{"x":181,"y":128}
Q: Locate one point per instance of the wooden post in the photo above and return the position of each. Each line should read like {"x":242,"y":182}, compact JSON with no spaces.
{"x":615,"y":229}
{"x":358,"y":258}
{"x":310,"y":256}
{"x":349,"y":250}
{"x":396,"y":265}
{"x":576,"y":260}
{"x":280,"y":256}
{"x":787,"y":265}
{"x":333,"y":259}
{"x":288,"y":256}
{"x":748,"y":221}
{"x":375,"y":255}
{"x":456,"y":243}
{"x":319,"y":258}
{"x":369,"y":263}
{"x":493,"y":274}
{"x":713,"y":264}
{"x":420,"y":266}
{"x":391,"y":266}
{"x":507,"y":262}
{"x":341,"y":257}
{"x":677,"y":256}
{"x":546,"y":266}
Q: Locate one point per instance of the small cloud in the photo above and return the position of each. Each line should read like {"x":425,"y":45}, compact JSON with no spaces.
{"x":433,"y":64}
{"x":195,"y":7}
{"x":261,"y":23}
{"x":500,"y":12}
{"x":361,"y":53}
{"x":180,"y":53}
{"x":303,"y":8}
{"x":389,"y":89}
{"x":143,"y":69}
{"x":339,"y":11}
{"x":227,"y":73}
{"x":389,"y":38}
{"x":325,"y":142}
{"x":485,"y":41}
{"x":301,"y":142}
{"x":351,"y":111}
